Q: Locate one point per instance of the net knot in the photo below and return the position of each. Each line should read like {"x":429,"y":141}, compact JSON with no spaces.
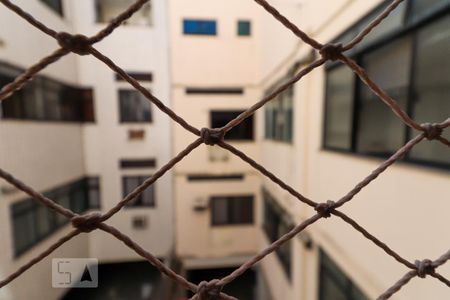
{"x":431,"y":131}
{"x":331,"y":51}
{"x":88,"y":222}
{"x":424,"y":267}
{"x":76,"y":43}
{"x":209,"y":290}
{"x":325,"y":209}
{"x":211,"y":136}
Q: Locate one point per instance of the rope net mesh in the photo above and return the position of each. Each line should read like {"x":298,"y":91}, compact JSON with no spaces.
{"x":83,"y":45}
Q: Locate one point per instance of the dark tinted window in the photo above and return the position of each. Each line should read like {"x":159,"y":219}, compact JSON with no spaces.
{"x":244,"y":28}
{"x":339,"y":108}
{"x":334,"y":284}
{"x":231,"y":210}
{"x":55,"y":5}
{"x":32,"y":222}
{"x":279,"y":117}
{"x":380,"y":130}
{"x":134,"y":107}
{"x":243,"y":131}
{"x":412,"y":66}
{"x":432,"y":86}
{"x":44,"y":99}
{"x":146,"y":198}
{"x":275,"y":225}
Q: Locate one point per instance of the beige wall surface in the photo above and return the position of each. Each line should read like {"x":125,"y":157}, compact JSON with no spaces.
{"x":196,"y":238}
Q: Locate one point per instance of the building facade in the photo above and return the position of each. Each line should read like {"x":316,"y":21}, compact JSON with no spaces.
{"x":84,"y":137}
{"x":214,"y":79}
{"x":340,"y":132}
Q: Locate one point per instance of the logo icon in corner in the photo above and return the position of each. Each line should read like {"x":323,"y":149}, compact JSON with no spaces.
{"x":75,"y":273}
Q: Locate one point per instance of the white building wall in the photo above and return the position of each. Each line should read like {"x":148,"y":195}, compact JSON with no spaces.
{"x":390,"y":207}
{"x":135,"y":49}
{"x":44,"y":155}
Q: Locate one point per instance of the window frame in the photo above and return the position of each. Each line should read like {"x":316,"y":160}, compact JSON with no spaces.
{"x":76,"y":104}
{"x":31,"y":208}
{"x":133,"y":120}
{"x":248,"y":23}
{"x":248,"y":122}
{"x":231,"y":201}
{"x":410,"y":27}
{"x":273,"y":234}
{"x":278,"y":101}
{"x":138,"y":201}
{"x":200,"y":22}
{"x":325,"y":270}
{"x":58,"y":10}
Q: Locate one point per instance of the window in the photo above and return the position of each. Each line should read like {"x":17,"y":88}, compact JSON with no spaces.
{"x":107,"y":10}
{"x":55,"y":5}
{"x":44,"y":99}
{"x":409,"y":67}
{"x":389,"y":67}
{"x":420,"y":8}
{"x":334,"y":284}
{"x":137,"y":163}
{"x":134,"y":107}
{"x":32,"y":222}
{"x":276,"y":223}
{"x":93,"y":192}
{"x":244,"y":28}
{"x":279,"y":116}
{"x":199,"y":27}
{"x":139,"y":76}
{"x":231,"y":210}
{"x":432,"y":87}
{"x":242,"y":132}
{"x":339,"y":108}
{"x":146,"y":198}
{"x":214,"y":91}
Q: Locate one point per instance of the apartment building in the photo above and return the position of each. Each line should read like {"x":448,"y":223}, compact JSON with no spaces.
{"x":330,"y":131}
{"x":85,"y":138}
{"x":214,"y":78}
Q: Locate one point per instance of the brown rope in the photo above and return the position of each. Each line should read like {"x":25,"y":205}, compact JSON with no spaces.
{"x":82,"y":45}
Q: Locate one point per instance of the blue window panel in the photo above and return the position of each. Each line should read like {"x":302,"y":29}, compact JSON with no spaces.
{"x":200,"y":27}
{"x":244,"y":28}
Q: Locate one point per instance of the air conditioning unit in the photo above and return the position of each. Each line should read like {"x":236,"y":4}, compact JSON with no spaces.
{"x":217,"y":154}
{"x":200,"y":204}
{"x":140,"y":222}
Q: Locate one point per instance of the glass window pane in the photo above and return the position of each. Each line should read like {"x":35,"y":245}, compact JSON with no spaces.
{"x":243,"y":131}
{"x":200,"y":27}
{"x":93,"y":191}
{"x":244,"y":28}
{"x":43,"y":221}
{"x":339,"y":108}
{"x":420,"y":8}
{"x":129,"y":184}
{"x":394,"y":21}
{"x":219,"y":211}
{"x":432,"y":86}
{"x":381,"y":132}
{"x":148,"y":196}
{"x":330,"y":290}
{"x":134,"y":107}
{"x":107,"y":10}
